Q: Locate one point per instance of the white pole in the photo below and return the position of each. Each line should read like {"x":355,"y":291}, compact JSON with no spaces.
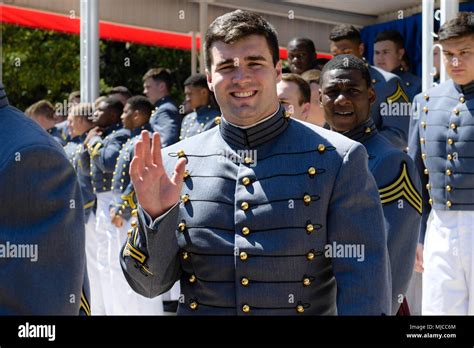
{"x":449,"y":9}
{"x":89,"y":50}
{"x":193,"y":53}
{"x":202,"y":30}
{"x":427,"y":44}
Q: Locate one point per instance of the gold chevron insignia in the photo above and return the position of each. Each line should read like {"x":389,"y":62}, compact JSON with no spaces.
{"x":85,"y":304}
{"x":399,"y":93}
{"x":401,"y":187}
{"x":129,"y":250}
{"x":129,"y":199}
{"x":95,"y":149}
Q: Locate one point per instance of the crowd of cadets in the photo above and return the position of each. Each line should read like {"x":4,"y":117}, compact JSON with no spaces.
{"x":99,"y":141}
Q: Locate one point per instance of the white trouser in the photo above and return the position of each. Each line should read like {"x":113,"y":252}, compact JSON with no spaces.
{"x":103,"y":224}
{"x":125,"y":300}
{"x":96,"y":294}
{"x":448,"y":282}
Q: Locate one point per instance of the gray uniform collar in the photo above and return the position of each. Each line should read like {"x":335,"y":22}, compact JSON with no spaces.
{"x":256,"y":135}
{"x":467,"y":88}
{"x":362,"y":132}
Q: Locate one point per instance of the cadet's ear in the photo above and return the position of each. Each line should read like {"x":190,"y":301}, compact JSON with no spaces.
{"x":372,"y":95}
{"x":278,"y":68}
{"x":361,"y":49}
{"x":209,"y":80}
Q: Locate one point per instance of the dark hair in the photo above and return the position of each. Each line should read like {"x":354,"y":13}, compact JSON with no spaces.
{"x":308,"y":43}
{"x":390,"y":35}
{"x":461,"y":25}
{"x":303,"y":86}
{"x":348,"y":62}
{"x":120,"y":90}
{"x":159,"y":75}
{"x":114,"y":105}
{"x":345,"y":32}
{"x":236,"y":25}
{"x":142,"y":104}
{"x":42,"y":107}
{"x":196,"y":80}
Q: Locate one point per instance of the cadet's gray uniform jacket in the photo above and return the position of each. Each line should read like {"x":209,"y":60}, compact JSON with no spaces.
{"x":441,"y":145}
{"x":391,"y":110}
{"x":411,"y":82}
{"x":166,"y":120}
{"x":399,"y":188}
{"x":260,"y":206}
{"x":198,"y":121}
{"x":40,"y":206}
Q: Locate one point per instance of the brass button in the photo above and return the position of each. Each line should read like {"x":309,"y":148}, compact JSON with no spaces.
{"x":428,"y":186}
{"x":181,"y":226}
{"x":367,"y":130}
{"x":448,"y":188}
{"x":245,"y":308}
{"x":134,"y":223}
{"x":245,"y":231}
{"x":374,"y":81}
{"x":430,"y":201}
{"x":426,"y":96}
{"x":192,"y":279}
{"x":449,"y":204}
{"x":186,"y":174}
{"x":462,"y":99}
{"x":244,"y":281}
{"x":423,"y":155}
{"x":244,"y":206}
{"x":311,"y":171}
{"x":321,"y":148}
{"x":217,"y":120}
{"x":450,"y":157}
{"x":246,"y":181}
{"x":300,"y":309}
{"x":309,"y":228}
{"x":185,"y":255}
{"x":456,"y":111}
{"x":123,"y":173}
{"x":449,"y":172}
{"x":243,"y":256}
{"x":310,"y":256}
{"x":185,"y":198}
{"x":425,"y":109}
{"x":104,"y":180}
{"x":193,"y":305}
{"x":134,"y":212}
{"x":422,"y":141}
{"x":453,"y":126}
{"x":248,"y":160}
{"x":450,"y":141}
{"x":423,"y":124}
{"x":306,"y":282}
{"x":287,"y":114}
{"x":129,"y":232}
{"x":307,"y":199}
{"x":425,"y":171}
{"x":181,"y":153}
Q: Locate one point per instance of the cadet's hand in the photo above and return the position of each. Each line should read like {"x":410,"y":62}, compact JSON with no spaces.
{"x":155,"y":191}
{"x":117,"y":221}
{"x":92,"y":133}
{"x":419,"y":259}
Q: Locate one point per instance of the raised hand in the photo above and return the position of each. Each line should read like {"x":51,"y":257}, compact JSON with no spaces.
{"x":156,"y":192}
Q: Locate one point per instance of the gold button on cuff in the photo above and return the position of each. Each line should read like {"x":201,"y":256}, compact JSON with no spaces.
{"x":243,"y":256}
{"x":181,"y":226}
{"x":309,"y":228}
{"x":312,"y":171}
{"x":449,"y":204}
{"x":193,"y":305}
{"x":450,"y":141}
{"x":448,"y":188}
{"x":244,"y":206}
{"x":245,"y":308}
{"x":192,"y":279}
{"x":306,"y":282}
{"x":246,"y":181}
{"x":245,"y":231}
{"x":449,"y":172}
{"x":300,"y":309}
{"x":310,"y":256}
{"x":185,"y":198}
{"x":181,"y":153}
{"x":134,"y":212}
{"x":307,"y":199}
{"x":244,"y":281}
{"x":321,"y":148}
